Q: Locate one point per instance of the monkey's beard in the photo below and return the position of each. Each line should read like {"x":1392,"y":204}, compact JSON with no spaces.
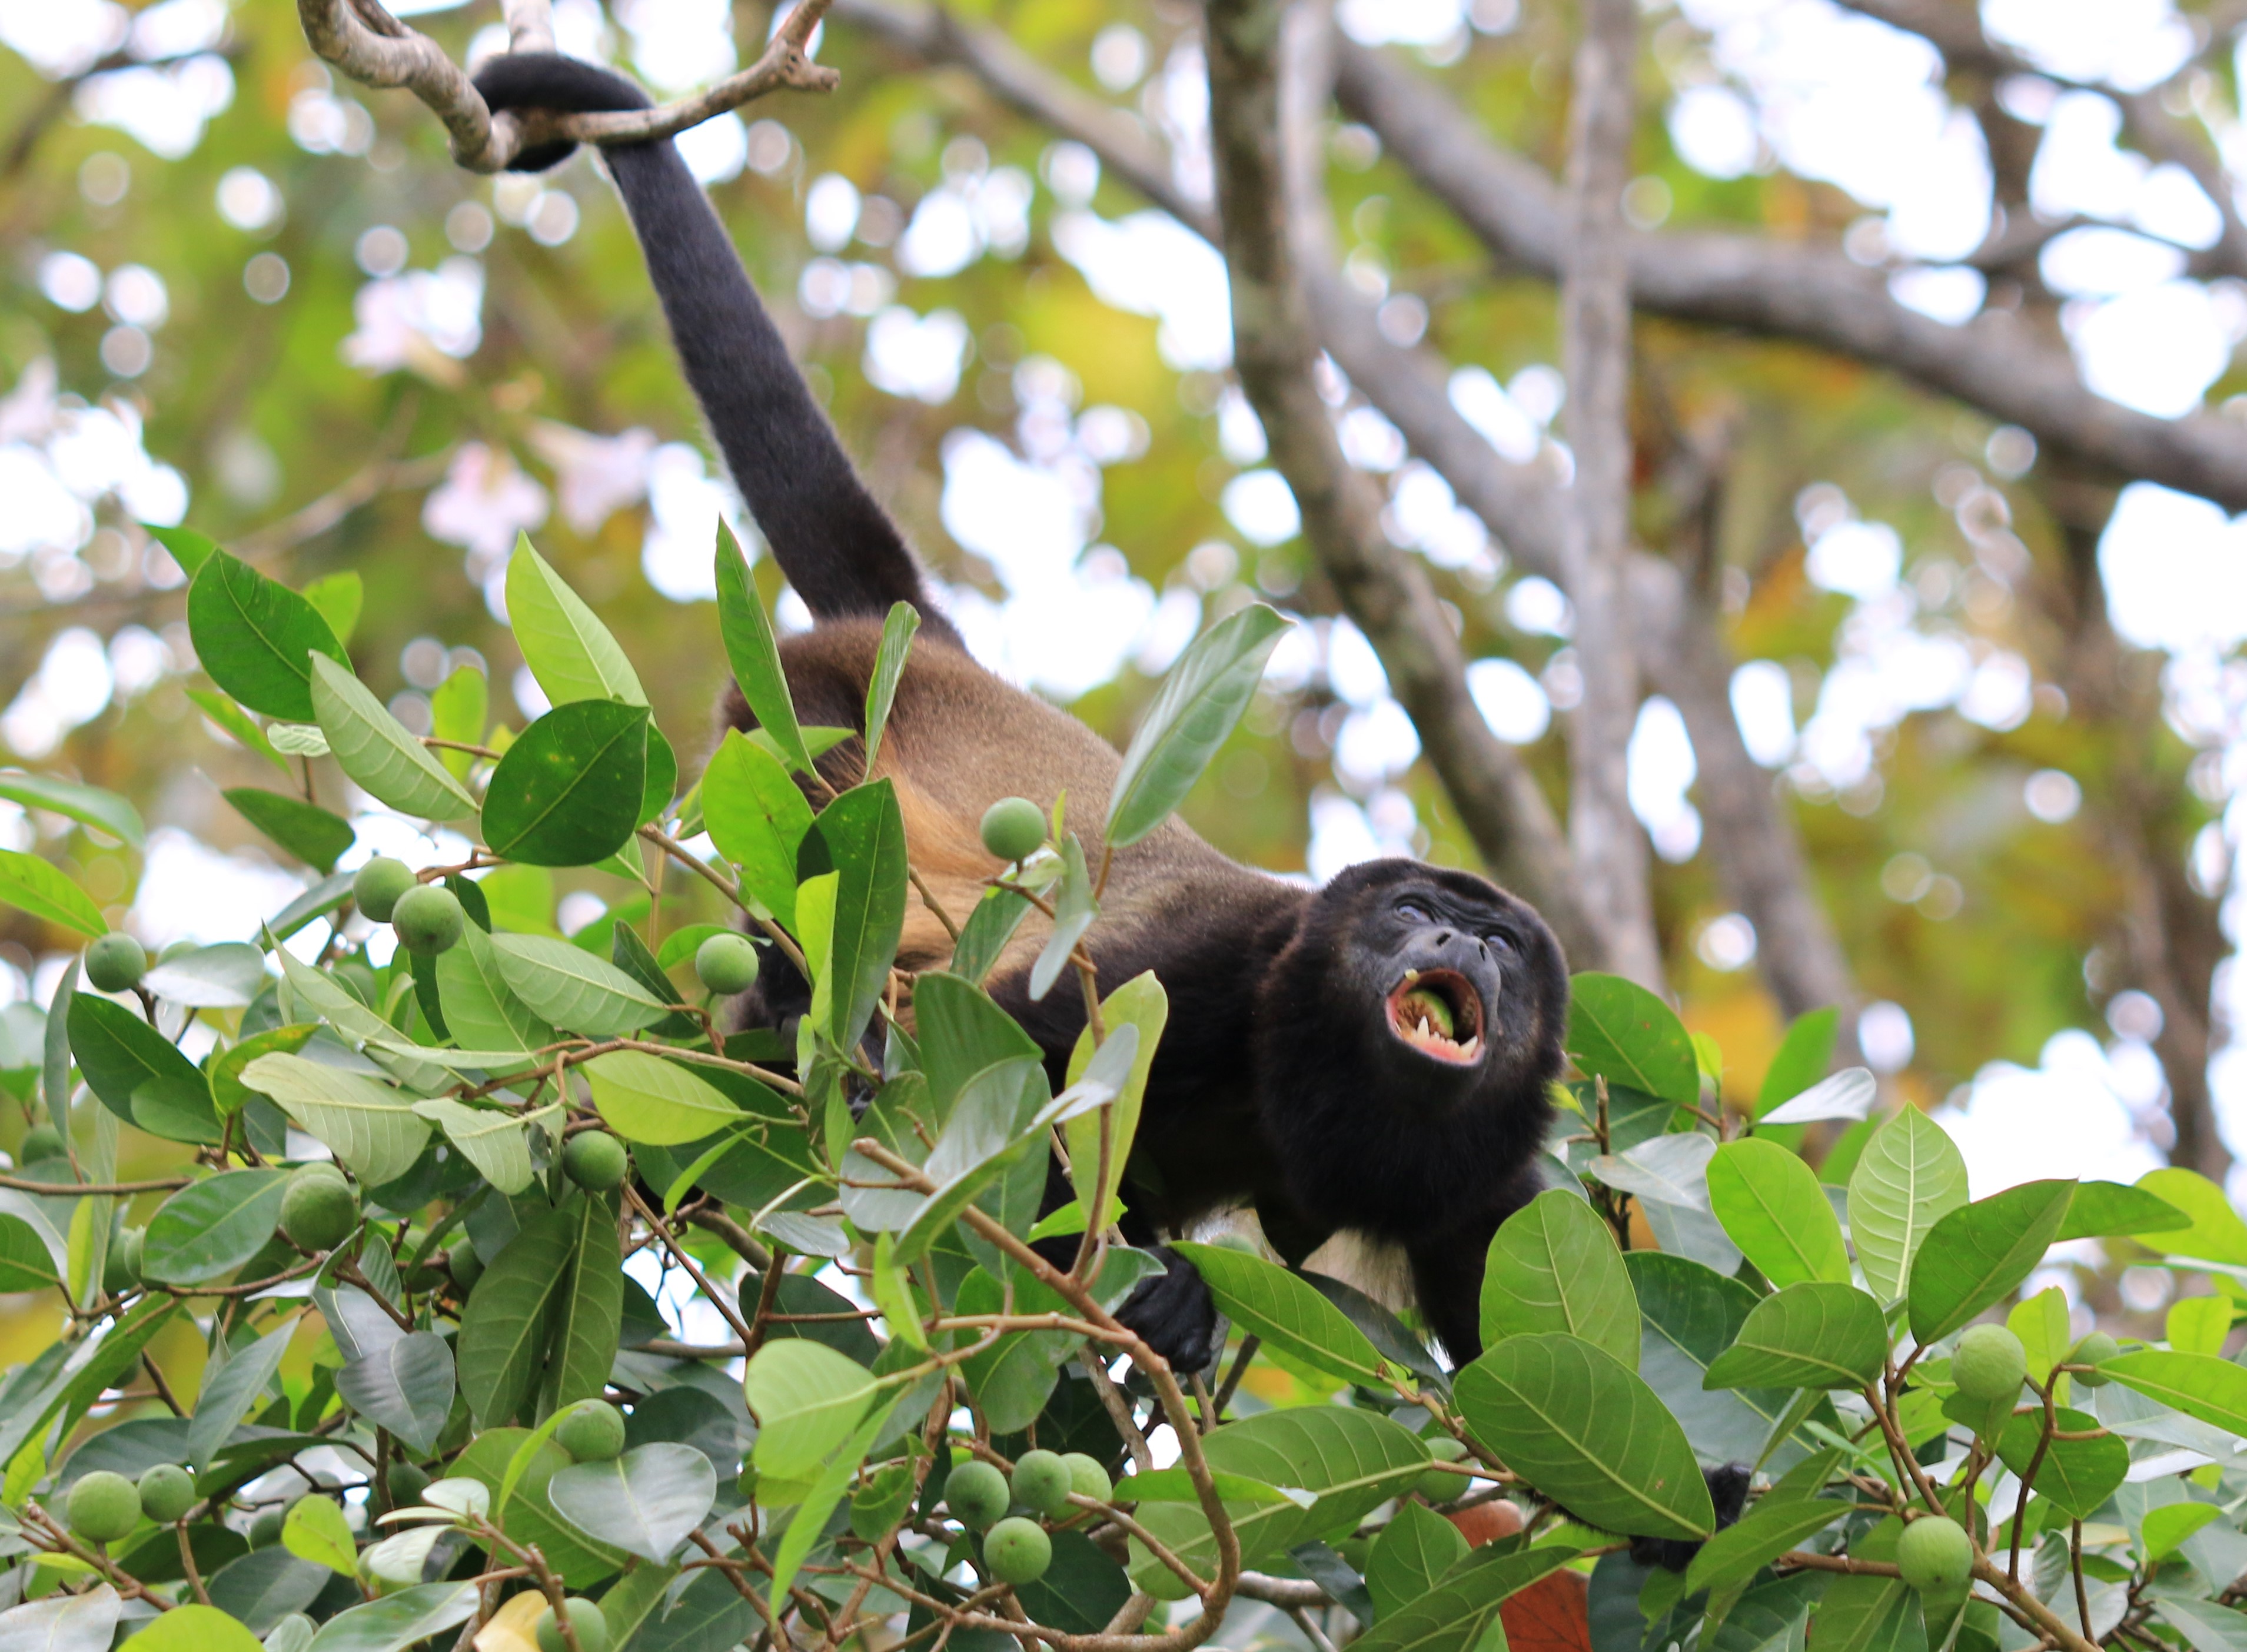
{"x":1439,"y":1014}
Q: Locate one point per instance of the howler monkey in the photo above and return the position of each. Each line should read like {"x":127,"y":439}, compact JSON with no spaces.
{"x":1369,"y":1057}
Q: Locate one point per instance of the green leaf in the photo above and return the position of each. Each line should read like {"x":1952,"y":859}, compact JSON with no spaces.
{"x":192,"y":1627}
{"x":1772,"y":1208}
{"x":661,"y":769}
{"x":25,"y":1262}
{"x":569,"y":650}
{"x":2205,"y":1626}
{"x":338,"y":597}
{"x":1141,"y":1003}
{"x":2218,"y":1234}
{"x":1807,"y":1336}
{"x":1073,"y":911}
{"x":306,"y":830}
{"x":35,"y":886}
{"x":227,"y":976}
{"x":371,"y":1127}
{"x":240,"y":725}
{"x":2201,"y":1385}
{"x":1462,"y":1611}
{"x":209,"y":1228}
{"x":2041,"y":1322}
{"x":753,"y":654}
{"x":2077,"y":1475}
{"x":1619,"y":1031}
{"x":866,"y":837}
{"x":990,"y":925}
{"x":253,"y":636}
{"x":315,"y":1530}
{"x":1803,"y":1057}
{"x":2165,"y":1528}
{"x":190,"y":549}
{"x":1583,"y":1427}
{"x":645,"y":1098}
{"x":494,"y":1141}
{"x":1414,"y":1549}
{"x":898,"y":629}
{"x":2111,"y":1210}
{"x":571,"y":988}
{"x":1980,"y":1253}
{"x":568,"y":792}
{"x":231,"y":1389}
{"x":807,"y":1399}
{"x":1911,"y":1176}
{"x":1553,"y":1267}
{"x":961,"y":1032}
{"x":756,"y":815}
{"x":1200,"y":701}
{"x":1848,"y":1094}
{"x":459,"y":708}
{"x":519,"y":1503}
{"x":645,"y":1502}
{"x":809,"y":1523}
{"x":504,"y":1329}
{"x":588,"y":1319}
{"x":1272,"y":1302}
{"x":396,"y":1621}
{"x":374,"y":748}
{"x":1760,"y":1536}
{"x":406,"y":1387}
{"x":2198,"y":1324}
{"x":88,"y":805}
{"x":482,"y":1011}
{"x":119,"y":1056}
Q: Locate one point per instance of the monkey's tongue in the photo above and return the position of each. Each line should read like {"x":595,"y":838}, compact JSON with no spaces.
{"x":1426,"y":1016}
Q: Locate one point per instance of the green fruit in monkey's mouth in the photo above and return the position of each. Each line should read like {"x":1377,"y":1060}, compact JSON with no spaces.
{"x":1438,"y":1013}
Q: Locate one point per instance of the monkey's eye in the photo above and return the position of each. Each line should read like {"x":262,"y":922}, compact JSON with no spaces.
{"x":1500,"y":941}
{"x":1412,"y":913}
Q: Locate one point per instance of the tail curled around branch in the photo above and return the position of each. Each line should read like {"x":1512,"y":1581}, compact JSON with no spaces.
{"x":835,"y":544}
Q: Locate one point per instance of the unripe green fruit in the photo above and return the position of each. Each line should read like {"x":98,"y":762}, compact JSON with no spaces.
{"x":593,"y":1432}
{"x":1018,"y":1551}
{"x":585,"y":1619}
{"x":1436,"y":1485}
{"x":41,"y":1141}
{"x":727,"y":964}
{"x":115,"y":963}
{"x":104,"y":1507}
{"x":1014,"y":828}
{"x":406,"y":1482}
{"x":377,"y":886}
{"x":265,"y":1530}
{"x":120,"y":1272}
{"x":977,"y":1494}
{"x":1088,"y":1478}
{"x":319,"y":1210}
{"x":2094,"y":1349}
{"x":595,"y":1160}
{"x":468,"y":1267}
{"x":166,"y":1491}
{"x":1042,"y":1482}
{"x":1990,"y":1364}
{"x":1935,"y":1555}
{"x":429,"y":919}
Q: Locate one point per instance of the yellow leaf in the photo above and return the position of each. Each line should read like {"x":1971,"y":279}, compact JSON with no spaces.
{"x":514,"y":1626}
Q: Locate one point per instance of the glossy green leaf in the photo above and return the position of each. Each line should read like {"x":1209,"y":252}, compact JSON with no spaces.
{"x":1272,"y":1302}
{"x":254,"y":636}
{"x":1140,"y":1003}
{"x":1584,"y":1428}
{"x":374,"y":748}
{"x":1911,"y":1176}
{"x":396,"y":1621}
{"x":2205,"y":1626}
{"x":567,"y":649}
{"x":192,"y":1628}
{"x":757,"y":816}
{"x":1554,"y":1266}
{"x":1772,"y":1208}
{"x":1200,"y":701}
{"x":88,"y":805}
{"x":1760,"y":1536}
{"x":807,"y":1399}
{"x":482,"y":1011}
{"x":504,"y":1330}
{"x":1848,"y":1094}
{"x":371,"y":1127}
{"x":990,"y":925}
{"x":645,"y":1098}
{"x":2174,"y":1524}
{"x":864,"y":834}
{"x":1619,"y":1031}
{"x":809,"y":1523}
{"x":2216,"y":1234}
{"x":1416,"y":1547}
{"x":338,"y":597}
{"x":495,"y":1142}
{"x":1073,"y":912}
{"x":645,"y":1502}
{"x":231,"y":1389}
{"x":2198,"y":1324}
{"x":2077,"y":1475}
{"x":315,"y":1530}
{"x":521,"y":1507}
{"x":119,"y":1056}
{"x":306,"y":830}
{"x":25,"y":1262}
{"x":227,"y":976}
{"x":36,"y":886}
{"x":209,"y":1228}
{"x":1461,"y":1612}
{"x":571,"y":988}
{"x":753,"y":654}
{"x":2201,"y":1385}
{"x":190,"y":549}
{"x":2111,"y":1210}
{"x":589,"y":1317}
{"x":406,"y":1387}
{"x":460,"y":710}
{"x":961,"y":1032}
{"x":1802,"y":1058}
{"x":898,"y":629}
{"x":1813,"y":1335}
{"x":568,"y":791}
{"x":1979,"y":1253}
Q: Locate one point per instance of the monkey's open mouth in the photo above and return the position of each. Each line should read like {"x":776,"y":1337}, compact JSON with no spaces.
{"x":1438,"y":1013}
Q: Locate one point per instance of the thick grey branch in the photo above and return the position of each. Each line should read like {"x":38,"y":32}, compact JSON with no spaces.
{"x":1997,"y":363}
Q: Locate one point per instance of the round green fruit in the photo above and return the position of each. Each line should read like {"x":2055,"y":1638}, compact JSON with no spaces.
{"x":1017,"y":1551}
{"x":1014,"y":828}
{"x":115,"y":963}
{"x":1990,"y":1364}
{"x":1042,"y":1482}
{"x":319,"y":1210}
{"x":977,"y":1494}
{"x":120,"y":1272}
{"x":265,"y":1530}
{"x":1088,"y":1478}
{"x":166,"y":1491}
{"x":593,"y":1432}
{"x":41,"y":1141}
{"x":1935,"y":1555}
{"x":1436,"y":1485}
{"x":727,"y":964}
{"x":595,"y":1160}
{"x":104,"y":1506}
{"x":2094,"y":1349}
{"x":466,"y":1266}
{"x":378,"y":885}
{"x":429,"y":919}
{"x":586,"y":1621}
{"x":405,"y":1482}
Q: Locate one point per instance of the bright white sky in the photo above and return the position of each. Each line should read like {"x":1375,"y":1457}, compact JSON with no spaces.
{"x":1795,"y":82}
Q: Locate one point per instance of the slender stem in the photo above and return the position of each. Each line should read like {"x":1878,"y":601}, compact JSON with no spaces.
{"x":733,"y":1316}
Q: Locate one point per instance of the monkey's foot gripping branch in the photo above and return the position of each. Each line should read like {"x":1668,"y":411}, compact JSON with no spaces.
{"x":366,"y":43}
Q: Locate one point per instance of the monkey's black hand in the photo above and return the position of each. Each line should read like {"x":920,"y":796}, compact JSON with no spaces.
{"x":1173,"y":1314}
{"x":1728,"y":1490}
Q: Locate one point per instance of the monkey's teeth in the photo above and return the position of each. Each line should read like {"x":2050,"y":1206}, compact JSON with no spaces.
{"x":1472,"y":1048}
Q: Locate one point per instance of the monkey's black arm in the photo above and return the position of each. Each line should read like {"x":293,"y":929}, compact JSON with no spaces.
{"x":835,"y":544}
